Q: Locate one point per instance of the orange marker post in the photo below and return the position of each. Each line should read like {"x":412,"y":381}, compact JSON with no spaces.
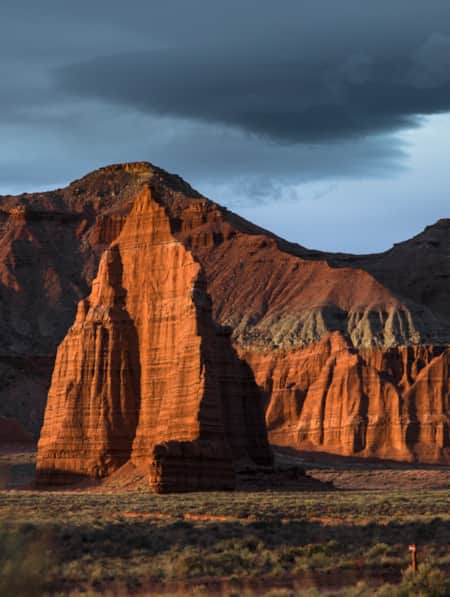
{"x":413,"y":550}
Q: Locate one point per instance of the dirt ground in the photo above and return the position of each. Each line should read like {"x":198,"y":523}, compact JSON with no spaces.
{"x":324,"y":472}
{"x":335,"y":524}
{"x":360,"y":474}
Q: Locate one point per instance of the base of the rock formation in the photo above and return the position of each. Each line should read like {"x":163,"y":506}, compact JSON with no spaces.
{"x":146,"y":375}
{"x":191,"y":466}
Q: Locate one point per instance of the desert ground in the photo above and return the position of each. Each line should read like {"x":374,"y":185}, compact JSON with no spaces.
{"x":347,"y":537}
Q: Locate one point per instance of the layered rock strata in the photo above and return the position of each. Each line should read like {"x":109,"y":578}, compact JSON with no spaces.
{"x":145,"y":374}
{"x":279,"y":300}
{"x":330,"y":397}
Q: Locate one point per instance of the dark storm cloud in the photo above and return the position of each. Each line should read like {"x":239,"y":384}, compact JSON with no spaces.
{"x":247,"y":100}
{"x":314,"y":75}
{"x":286,"y":99}
{"x":299,"y":71}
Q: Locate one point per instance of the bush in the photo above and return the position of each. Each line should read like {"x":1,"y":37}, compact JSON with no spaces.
{"x":22,"y":563}
{"x":428,"y":581}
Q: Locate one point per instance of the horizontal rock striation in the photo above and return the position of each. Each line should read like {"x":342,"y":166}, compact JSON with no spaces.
{"x":274,"y":303}
{"x":330,"y":397}
{"x":145,"y":374}
{"x":197,"y":465}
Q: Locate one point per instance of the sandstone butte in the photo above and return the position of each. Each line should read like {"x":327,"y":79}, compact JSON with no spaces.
{"x":177,"y":321}
{"x":146,"y":375}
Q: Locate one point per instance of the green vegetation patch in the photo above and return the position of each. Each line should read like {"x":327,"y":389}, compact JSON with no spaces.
{"x":63,"y":542}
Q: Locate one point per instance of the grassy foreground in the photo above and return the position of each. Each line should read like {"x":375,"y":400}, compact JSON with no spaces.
{"x":278,"y":544}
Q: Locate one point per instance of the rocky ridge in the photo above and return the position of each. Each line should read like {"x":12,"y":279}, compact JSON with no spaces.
{"x":279,"y":301}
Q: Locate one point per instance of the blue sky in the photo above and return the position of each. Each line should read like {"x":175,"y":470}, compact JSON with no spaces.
{"x":369,"y":214}
{"x":326,"y":122}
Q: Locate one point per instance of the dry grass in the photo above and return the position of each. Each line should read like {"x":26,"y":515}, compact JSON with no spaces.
{"x":234,"y":541}
{"x":108,"y":541}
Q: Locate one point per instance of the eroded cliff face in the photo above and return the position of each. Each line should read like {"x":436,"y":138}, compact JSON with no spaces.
{"x":145,"y":374}
{"x":279,"y":300}
{"x":50,"y":245}
{"x":330,"y":397}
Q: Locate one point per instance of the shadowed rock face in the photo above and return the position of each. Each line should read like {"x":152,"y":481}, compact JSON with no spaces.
{"x":11,"y":431}
{"x":145,"y":374}
{"x":386,"y":313}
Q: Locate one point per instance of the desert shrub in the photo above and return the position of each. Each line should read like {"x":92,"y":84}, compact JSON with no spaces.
{"x":22,"y":562}
{"x":99,"y":541}
{"x":428,"y":581}
{"x":377,"y":550}
{"x":280,"y":593}
{"x":382,"y":554}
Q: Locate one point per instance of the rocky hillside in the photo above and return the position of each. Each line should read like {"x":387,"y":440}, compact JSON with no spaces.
{"x":145,"y":375}
{"x":377,"y":386}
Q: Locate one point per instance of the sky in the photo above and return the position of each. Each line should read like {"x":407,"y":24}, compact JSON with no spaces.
{"x":325,"y":121}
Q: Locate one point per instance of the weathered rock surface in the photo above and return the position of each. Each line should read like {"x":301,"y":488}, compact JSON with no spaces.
{"x":146,"y":375}
{"x":280,"y":301}
{"x":50,"y":245}
{"x":417,"y":269}
{"x":330,"y":397}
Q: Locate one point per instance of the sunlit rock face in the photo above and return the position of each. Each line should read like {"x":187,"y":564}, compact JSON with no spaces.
{"x":379,"y":403}
{"x":146,"y":375}
{"x":365,"y":337}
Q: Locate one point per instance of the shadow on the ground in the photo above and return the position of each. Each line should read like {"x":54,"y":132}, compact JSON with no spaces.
{"x":318,"y":459}
{"x":122,"y":537}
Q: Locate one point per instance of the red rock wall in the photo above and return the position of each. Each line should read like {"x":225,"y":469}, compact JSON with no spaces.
{"x":329,"y":397}
{"x":144,"y":366}
{"x":278,"y":298}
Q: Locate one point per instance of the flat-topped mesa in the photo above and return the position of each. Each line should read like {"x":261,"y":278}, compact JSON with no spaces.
{"x":145,"y":374}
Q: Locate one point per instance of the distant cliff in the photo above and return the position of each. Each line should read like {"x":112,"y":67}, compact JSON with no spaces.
{"x":350,"y":353}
